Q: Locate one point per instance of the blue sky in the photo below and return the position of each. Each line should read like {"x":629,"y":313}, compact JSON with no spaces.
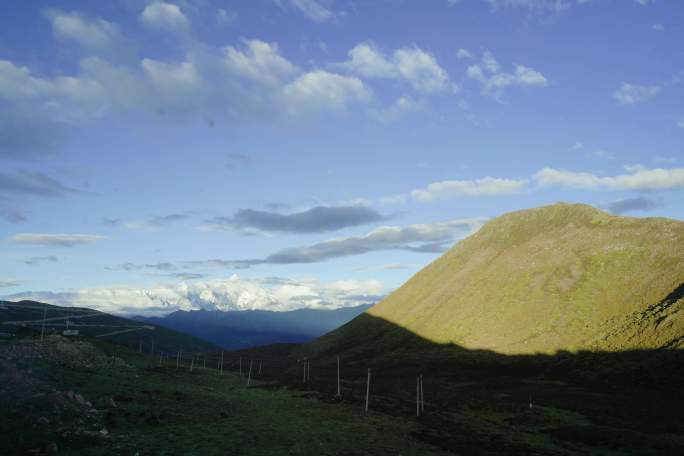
{"x":297,"y":153}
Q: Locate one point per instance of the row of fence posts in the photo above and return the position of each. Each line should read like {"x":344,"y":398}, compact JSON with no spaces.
{"x":306,"y":376}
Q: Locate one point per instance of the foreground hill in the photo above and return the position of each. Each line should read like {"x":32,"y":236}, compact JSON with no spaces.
{"x":26,"y":317}
{"x":236,"y":330}
{"x":561,"y":277}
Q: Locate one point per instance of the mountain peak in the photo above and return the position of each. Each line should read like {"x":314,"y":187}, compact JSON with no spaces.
{"x":558,"y":277}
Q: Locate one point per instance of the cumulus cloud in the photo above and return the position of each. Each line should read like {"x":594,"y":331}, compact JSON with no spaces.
{"x":57,"y":240}
{"x":493,"y":81}
{"x":164,"y":16}
{"x":413,"y":65}
{"x":259,"y":62}
{"x":629,"y":94}
{"x":17,"y":187}
{"x":247,"y":82}
{"x":318,"y":219}
{"x":320,"y":90}
{"x":463,"y":54}
{"x":401,"y":107}
{"x":34,"y":261}
{"x":312,"y":10}
{"x":632,"y":204}
{"x":92,"y":34}
{"x":486,"y":186}
{"x":233,"y":293}
{"x":637,"y":178}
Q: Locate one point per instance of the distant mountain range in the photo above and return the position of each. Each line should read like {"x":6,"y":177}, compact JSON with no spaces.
{"x":236,"y":330}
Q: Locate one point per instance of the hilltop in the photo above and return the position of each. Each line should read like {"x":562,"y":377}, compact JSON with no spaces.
{"x":564,"y":277}
{"x":26,"y":318}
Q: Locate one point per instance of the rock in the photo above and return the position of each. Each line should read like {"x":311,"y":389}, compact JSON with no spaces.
{"x":80,"y":399}
{"x":51,"y":448}
{"x":104,"y":432}
{"x":44,"y":421}
{"x":113,"y":403}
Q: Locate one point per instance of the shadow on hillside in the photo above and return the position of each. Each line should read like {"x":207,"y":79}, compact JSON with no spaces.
{"x":370,"y":341}
{"x":481,"y":402}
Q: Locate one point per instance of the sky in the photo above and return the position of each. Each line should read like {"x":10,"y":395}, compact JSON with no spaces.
{"x":279,"y":154}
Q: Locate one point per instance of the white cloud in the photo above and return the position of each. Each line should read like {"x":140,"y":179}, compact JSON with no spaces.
{"x":92,"y":34}
{"x":225,"y":18}
{"x":165,"y":16}
{"x":536,"y":5}
{"x":403,"y":106}
{"x":680,"y":124}
{"x":260,"y":62}
{"x":413,"y":65}
{"x":658,"y":27}
{"x":487,"y":186}
{"x":252,"y":82}
{"x":60,"y":240}
{"x":463,"y":54}
{"x":313,"y":10}
{"x":233,"y":293}
{"x":423,"y":238}
{"x":493,"y":81}
{"x":638,"y":178}
{"x":602,"y":155}
{"x":629,"y":94}
{"x":321,"y":90}
{"x":577,"y":146}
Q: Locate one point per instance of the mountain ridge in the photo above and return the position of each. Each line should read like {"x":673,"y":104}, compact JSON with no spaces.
{"x":560,"y":277}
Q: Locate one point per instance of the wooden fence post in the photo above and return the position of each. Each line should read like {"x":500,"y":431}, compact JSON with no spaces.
{"x":422,"y":395}
{"x":249,"y":376}
{"x":417,"y":395}
{"x":368,"y":389}
{"x":339,"y":394}
{"x":178,"y":359}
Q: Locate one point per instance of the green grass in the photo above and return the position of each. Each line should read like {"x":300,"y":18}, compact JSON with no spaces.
{"x":165,"y":411}
{"x":560,"y":277}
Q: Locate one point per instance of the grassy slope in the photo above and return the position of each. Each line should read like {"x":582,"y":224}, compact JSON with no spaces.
{"x":96,"y":324}
{"x":169,"y":411}
{"x":558,"y":277}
